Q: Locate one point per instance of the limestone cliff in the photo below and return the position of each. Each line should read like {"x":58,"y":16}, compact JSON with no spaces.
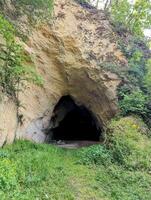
{"x":67,"y":53}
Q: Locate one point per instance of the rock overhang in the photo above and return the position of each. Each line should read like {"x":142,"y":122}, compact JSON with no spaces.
{"x":68,"y":54}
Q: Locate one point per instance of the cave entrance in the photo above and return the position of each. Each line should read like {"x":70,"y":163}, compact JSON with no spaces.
{"x":72,"y":122}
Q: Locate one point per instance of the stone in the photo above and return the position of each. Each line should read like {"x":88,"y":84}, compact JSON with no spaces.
{"x":67,"y":54}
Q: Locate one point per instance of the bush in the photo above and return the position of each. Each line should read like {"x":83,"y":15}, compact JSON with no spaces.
{"x":128,"y":144}
{"x":133,"y":92}
{"x":134,"y":103}
{"x":97,"y":155}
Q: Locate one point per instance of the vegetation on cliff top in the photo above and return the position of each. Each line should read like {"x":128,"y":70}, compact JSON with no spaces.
{"x":129,"y":21}
{"x":35,"y":9}
{"x":33,"y":13}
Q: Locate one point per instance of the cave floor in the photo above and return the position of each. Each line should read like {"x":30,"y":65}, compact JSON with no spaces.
{"x":75,"y":144}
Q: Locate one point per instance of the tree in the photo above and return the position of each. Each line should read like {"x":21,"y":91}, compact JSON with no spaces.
{"x":136,"y":17}
{"x":134,"y":103}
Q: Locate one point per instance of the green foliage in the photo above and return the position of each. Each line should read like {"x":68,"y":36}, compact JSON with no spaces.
{"x":40,"y":171}
{"x":136,"y":17}
{"x":137,"y":54}
{"x":132,"y":92}
{"x":134,"y":102}
{"x":147,"y":78}
{"x":13,"y":72}
{"x":120,"y":10}
{"x":129,"y":144}
{"x":8,"y":174}
{"x":97,"y":155}
{"x":136,"y":62}
{"x":140,"y":17}
{"x":133,"y":18}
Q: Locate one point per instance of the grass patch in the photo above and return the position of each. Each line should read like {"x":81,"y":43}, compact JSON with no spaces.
{"x":118,"y":170}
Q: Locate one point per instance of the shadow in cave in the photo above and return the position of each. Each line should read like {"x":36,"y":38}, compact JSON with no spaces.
{"x":71,"y":122}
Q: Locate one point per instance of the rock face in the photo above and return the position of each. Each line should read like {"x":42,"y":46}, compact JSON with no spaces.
{"x":67,"y":54}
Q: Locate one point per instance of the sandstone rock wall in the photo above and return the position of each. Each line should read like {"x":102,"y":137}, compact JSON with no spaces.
{"x":67,"y":54}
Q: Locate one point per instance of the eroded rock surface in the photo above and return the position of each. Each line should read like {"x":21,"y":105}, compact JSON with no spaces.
{"x":67,"y":54}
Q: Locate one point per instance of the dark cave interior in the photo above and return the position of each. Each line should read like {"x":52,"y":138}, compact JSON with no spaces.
{"x":72,"y":122}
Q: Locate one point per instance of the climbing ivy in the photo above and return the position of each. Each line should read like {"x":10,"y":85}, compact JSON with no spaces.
{"x":13,"y":72}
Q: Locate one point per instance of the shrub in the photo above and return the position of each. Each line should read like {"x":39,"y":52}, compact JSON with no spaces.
{"x":97,"y":155}
{"x":134,"y":103}
{"x":128,"y":144}
{"x":132,"y":92}
{"x":134,"y":89}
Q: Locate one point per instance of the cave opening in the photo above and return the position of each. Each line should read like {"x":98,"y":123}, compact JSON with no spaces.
{"x":72,"y":122}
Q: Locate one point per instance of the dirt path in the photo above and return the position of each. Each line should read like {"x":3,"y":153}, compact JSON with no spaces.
{"x":75,"y":144}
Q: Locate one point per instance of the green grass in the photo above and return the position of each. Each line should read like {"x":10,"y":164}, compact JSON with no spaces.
{"x":39,"y":171}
